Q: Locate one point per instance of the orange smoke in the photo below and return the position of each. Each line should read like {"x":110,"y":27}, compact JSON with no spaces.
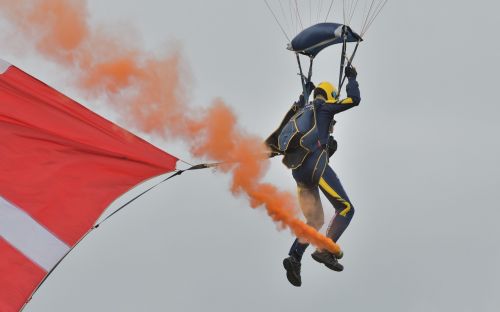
{"x":149,"y":93}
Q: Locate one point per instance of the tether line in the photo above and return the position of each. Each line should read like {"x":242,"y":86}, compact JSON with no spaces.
{"x":177,"y":173}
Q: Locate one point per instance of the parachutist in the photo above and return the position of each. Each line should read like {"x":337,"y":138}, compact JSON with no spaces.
{"x":305,"y":139}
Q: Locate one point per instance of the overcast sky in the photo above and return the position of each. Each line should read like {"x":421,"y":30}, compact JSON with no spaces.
{"x":418,"y":158}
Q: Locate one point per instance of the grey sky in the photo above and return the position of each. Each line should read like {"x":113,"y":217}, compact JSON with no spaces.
{"x":418,"y":159}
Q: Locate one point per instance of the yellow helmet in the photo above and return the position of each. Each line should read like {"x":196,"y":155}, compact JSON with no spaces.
{"x":329,"y":89}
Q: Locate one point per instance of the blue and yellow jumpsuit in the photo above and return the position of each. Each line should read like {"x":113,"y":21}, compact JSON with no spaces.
{"x":303,"y":137}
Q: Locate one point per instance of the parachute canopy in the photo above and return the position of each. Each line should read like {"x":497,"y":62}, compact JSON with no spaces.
{"x":308,"y":23}
{"x":314,"y":39}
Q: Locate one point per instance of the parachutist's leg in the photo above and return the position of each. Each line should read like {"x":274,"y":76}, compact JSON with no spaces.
{"x":307,"y":177}
{"x":344,"y":210}
{"x":310,"y":204}
{"x":297,"y":250}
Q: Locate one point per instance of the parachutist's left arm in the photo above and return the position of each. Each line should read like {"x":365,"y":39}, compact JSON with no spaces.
{"x":353,"y":98}
{"x":327,"y":111}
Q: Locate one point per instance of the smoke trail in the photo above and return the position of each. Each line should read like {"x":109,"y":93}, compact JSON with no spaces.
{"x":150,"y":94}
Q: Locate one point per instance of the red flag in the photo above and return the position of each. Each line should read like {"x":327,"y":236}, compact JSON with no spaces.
{"x":61,"y":165}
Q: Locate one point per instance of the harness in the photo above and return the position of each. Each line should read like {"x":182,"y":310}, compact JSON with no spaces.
{"x":299,"y":137}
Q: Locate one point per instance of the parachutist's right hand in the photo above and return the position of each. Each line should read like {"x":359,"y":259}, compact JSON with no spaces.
{"x":300,"y":102}
{"x":350,"y":71}
{"x":310,"y":87}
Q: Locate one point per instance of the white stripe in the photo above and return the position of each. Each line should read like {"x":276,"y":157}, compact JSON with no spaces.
{"x":29,"y":237}
{"x":4,"y":66}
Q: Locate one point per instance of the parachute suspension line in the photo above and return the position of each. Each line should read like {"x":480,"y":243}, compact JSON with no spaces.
{"x":318,"y":9}
{"x":349,"y":62}
{"x":343,"y":11}
{"x":366,"y":17}
{"x":350,"y":12}
{"x":310,"y":13}
{"x":288,"y":27}
{"x":380,"y":6}
{"x":309,"y":75}
{"x":293,"y":20}
{"x":373,"y":12}
{"x":298,"y":14}
{"x":329,"y":10}
{"x":365,"y":14}
{"x":277,"y":21}
{"x":302,"y":78}
{"x":342,"y":58}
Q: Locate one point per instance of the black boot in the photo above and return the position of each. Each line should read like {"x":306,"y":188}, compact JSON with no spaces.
{"x":292,"y":267}
{"x":328,"y":259}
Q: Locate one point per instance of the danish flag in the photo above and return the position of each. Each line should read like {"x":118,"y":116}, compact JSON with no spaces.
{"x":61,"y":165}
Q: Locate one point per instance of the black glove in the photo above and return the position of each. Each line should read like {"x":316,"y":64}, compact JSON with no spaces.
{"x":299,"y":103}
{"x":350,"y":71}
{"x":310,"y":87}
{"x":332,"y":146}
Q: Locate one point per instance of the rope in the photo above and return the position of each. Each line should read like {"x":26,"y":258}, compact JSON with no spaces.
{"x":178,"y":172}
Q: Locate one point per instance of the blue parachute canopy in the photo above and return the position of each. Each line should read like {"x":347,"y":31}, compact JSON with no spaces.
{"x":314,"y":39}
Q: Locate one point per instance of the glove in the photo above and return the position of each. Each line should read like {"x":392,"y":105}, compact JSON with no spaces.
{"x":350,"y":71}
{"x":299,"y":103}
{"x":310,"y":87}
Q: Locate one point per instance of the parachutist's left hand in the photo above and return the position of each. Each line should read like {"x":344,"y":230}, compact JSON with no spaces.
{"x":350,"y":71}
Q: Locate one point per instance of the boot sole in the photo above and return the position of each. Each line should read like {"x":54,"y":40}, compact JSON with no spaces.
{"x":328,"y":265}
{"x":289,"y":274}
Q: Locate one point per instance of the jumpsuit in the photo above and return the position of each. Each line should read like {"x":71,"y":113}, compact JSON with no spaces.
{"x":314,"y":173}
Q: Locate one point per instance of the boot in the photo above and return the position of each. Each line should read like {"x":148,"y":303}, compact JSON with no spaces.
{"x":292,"y":267}
{"x":328,"y":259}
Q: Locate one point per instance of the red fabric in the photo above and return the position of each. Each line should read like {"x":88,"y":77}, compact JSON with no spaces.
{"x":20,"y":274}
{"x":62,"y":163}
